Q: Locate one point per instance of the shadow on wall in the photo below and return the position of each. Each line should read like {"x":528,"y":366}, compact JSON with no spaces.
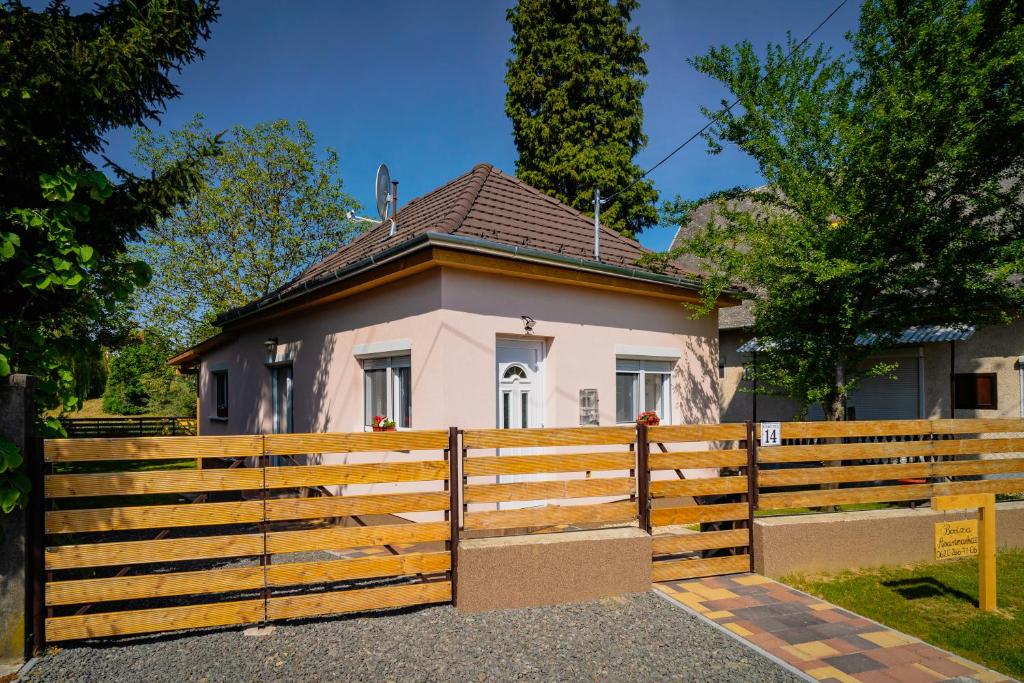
{"x":698,"y":389}
{"x":319,"y":403}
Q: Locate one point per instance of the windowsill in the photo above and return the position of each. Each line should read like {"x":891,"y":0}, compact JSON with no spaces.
{"x":397,"y":429}
{"x":217,"y":418}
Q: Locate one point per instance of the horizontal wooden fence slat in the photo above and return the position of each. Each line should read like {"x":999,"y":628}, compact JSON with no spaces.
{"x":167,"y":481}
{"x":803,"y":430}
{"x":551,"y":515}
{"x":691,"y":514}
{"x":880,"y":494}
{"x":141,"y":552}
{"x":330,"y":571}
{"x":535,"y":464}
{"x":706,"y":540}
{"x":339,"y":602}
{"x":347,"y":506}
{"x":539,"y":490}
{"x":154,"y":585}
{"x":370,"y":473}
{"x":888,"y":449}
{"x":338,"y":538}
{"x":157,"y":619}
{"x":674,"y":570}
{"x":705,"y":432}
{"x":823,"y":475}
{"x":153,"y":516}
{"x":682,"y":460}
{"x":699,"y":487}
{"x":526,"y":438}
{"x":344,"y":442}
{"x":151,"y":448}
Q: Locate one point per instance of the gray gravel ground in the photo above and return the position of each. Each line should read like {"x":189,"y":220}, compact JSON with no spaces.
{"x":640,"y":638}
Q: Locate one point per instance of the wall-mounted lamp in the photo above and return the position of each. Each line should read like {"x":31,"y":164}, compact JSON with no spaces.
{"x":528,"y":323}
{"x":271,"y":345}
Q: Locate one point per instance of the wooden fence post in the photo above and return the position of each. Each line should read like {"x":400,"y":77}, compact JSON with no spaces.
{"x":751,"y":472}
{"x":35,"y":540}
{"x":643,"y":477}
{"x":454,"y":507}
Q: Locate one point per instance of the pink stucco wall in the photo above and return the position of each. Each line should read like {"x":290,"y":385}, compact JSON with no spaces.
{"x":453,"y":320}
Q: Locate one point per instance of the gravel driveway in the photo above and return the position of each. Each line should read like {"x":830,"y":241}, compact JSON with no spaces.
{"x":618,"y":639}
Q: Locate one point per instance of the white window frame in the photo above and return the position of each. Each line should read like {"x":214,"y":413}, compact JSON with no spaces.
{"x":387,"y":363}
{"x":641,"y":368}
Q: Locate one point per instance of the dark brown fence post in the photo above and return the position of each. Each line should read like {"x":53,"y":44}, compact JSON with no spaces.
{"x":751,"y":472}
{"x":35,"y":540}
{"x":454,"y":507}
{"x":643,"y":477}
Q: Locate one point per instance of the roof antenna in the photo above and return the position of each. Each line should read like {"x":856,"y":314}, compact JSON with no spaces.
{"x":597,"y":223}
{"x":394,"y":208}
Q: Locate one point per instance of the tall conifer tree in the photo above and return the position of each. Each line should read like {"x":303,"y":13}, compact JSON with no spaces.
{"x":575,"y":81}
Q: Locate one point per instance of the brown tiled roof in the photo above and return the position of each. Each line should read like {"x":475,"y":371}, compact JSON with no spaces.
{"x":489,"y":205}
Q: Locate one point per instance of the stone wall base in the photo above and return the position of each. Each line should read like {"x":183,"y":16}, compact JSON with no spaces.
{"x":550,"y":569}
{"x":872,"y":538}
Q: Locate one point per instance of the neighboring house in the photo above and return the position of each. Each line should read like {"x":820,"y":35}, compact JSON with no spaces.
{"x":482,"y":305}
{"x":940,"y":372}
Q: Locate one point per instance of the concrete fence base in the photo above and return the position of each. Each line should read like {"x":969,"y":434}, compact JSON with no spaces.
{"x":550,"y":569}
{"x":871,"y":538}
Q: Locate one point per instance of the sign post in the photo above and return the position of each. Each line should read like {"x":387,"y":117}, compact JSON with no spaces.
{"x":971,"y":538}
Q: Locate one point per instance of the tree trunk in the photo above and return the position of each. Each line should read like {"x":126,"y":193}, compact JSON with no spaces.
{"x":836,"y":412}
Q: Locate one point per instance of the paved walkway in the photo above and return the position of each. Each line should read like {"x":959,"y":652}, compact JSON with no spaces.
{"x":825,"y":642}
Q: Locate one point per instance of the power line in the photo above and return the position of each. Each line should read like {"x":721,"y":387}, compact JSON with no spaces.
{"x":728,"y":108}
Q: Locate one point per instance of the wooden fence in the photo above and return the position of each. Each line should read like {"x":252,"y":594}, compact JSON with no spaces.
{"x":700,"y":526}
{"x":594,"y":475}
{"x":944,"y":458}
{"x":100,"y":427}
{"x":141,"y":551}
{"x":139,"y":539}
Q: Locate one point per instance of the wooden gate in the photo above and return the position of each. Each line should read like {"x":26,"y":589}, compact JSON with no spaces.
{"x":138,"y":540}
{"x":700,"y":526}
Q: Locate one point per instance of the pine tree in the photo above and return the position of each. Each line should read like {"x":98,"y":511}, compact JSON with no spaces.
{"x":575,"y":82}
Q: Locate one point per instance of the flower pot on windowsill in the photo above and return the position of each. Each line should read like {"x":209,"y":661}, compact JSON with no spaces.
{"x":384,"y":429}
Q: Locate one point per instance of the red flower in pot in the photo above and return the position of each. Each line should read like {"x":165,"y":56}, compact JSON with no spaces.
{"x":649,"y":418}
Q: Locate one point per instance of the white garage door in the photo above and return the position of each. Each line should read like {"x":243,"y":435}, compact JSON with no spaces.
{"x":883,"y":398}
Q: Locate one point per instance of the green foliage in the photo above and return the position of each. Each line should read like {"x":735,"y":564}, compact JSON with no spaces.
{"x":140,"y":381}
{"x":896,"y":177}
{"x":65,"y":81}
{"x":575,"y":83}
{"x":14,"y":485}
{"x":267,"y":208}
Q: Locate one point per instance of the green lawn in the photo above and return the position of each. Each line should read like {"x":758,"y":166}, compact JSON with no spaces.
{"x":938,"y":603}
{"x":852,"y":507}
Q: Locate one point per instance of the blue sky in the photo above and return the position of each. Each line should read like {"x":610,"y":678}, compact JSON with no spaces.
{"x":419,"y":85}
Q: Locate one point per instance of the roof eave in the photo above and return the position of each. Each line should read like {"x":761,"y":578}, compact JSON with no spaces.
{"x":429,"y":239}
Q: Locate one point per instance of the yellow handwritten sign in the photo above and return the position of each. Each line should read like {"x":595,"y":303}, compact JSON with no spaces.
{"x":956,"y":540}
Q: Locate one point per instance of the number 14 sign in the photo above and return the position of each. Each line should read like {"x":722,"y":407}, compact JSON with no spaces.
{"x":771,"y":434}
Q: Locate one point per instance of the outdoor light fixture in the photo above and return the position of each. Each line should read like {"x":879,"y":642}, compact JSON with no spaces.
{"x":528,"y":323}
{"x":271,"y":345}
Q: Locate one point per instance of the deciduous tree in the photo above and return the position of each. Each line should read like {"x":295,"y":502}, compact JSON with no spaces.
{"x":896,"y":179}
{"x":268,"y":206}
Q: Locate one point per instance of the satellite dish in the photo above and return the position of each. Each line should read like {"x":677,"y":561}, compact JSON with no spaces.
{"x":383,"y":191}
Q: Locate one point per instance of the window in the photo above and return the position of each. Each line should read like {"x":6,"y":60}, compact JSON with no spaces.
{"x":220,"y":380}
{"x":642,"y":385}
{"x":387,"y":389}
{"x":281,"y":398}
{"x":975,"y":391}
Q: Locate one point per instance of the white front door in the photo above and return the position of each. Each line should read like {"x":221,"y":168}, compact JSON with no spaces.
{"x":520,"y":370}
